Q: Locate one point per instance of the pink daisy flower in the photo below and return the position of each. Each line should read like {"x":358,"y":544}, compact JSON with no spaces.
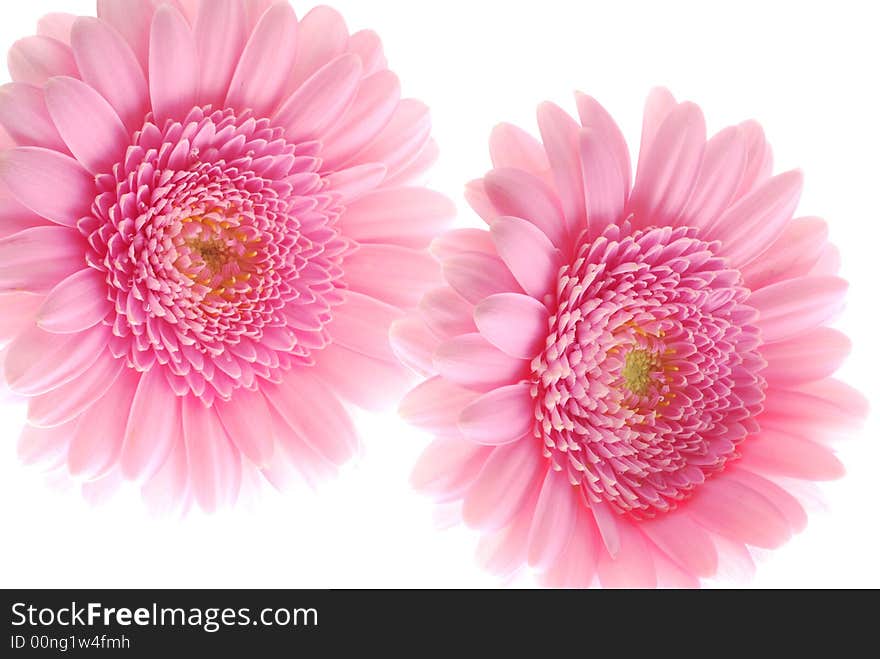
{"x":209,"y":218}
{"x":629,"y":379}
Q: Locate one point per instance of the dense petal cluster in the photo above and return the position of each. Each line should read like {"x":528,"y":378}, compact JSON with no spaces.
{"x":210,"y":215}
{"x":625,"y":376}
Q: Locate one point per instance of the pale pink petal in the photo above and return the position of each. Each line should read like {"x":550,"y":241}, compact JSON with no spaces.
{"x":447,"y":314}
{"x":823,"y":410}
{"x":260,"y":78}
{"x":633,"y":566}
{"x":131,"y":18}
{"x":361,"y":324}
{"x":782,"y":454}
{"x":555,"y":520}
{"x":517,"y":193}
{"x":97,"y":442}
{"x":502,"y":416}
{"x":477,"y":197}
{"x":749,"y":227}
{"x":796,"y":305}
{"x":353,"y":183}
{"x":174,"y":65}
{"x":373,"y":384}
{"x":668,"y":169}
{"x":560,"y":134}
{"x":390,"y":273}
{"x":828,"y":263}
{"x":39,"y":362}
{"x":408,"y":216}
{"x":168,"y":492}
{"x":718,"y":181}
{"x":503,"y":486}
{"x":503,"y":552}
{"x":367,"y":45}
{"x":153,"y":418}
{"x":96,"y":143}
{"x":20,"y":310}
{"x":316,"y":415}
{"x":606,"y":131}
{"x":684,"y":541}
{"x":109,"y":65}
{"x":529,"y":254}
{"x":812,"y":355}
{"x":759,"y":164}
{"x":24,"y":115}
{"x":448,"y":467}
{"x":56,"y":25}
{"x":220,"y":32}
{"x":402,"y":138}
{"x":454,"y":242}
{"x":435,"y":405}
{"x":323,"y":37}
{"x":36,"y":260}
{"x":517,"y":324}
{"x":76,"y":304}
{"x":70,"y":400}
{"x":214,"y":463}
{"x":739,"y":513}
{"x":787,"y":504}
{"x":476,"y":276}
{"x":46,"y":447}
{"x":576,"y":567}
{"x":248,"y":423}
{"x":658,"y":106}
{"x":793,"y":254}
{"x":36,"y":59}
{"x":605,"y":185}
{"x":29,"y":171}
{"x":511,"y":147}
{"x":321,"y":100}
{"x":471,"y":361}
{"x":413,"y":344}
{"x":415,"y":171}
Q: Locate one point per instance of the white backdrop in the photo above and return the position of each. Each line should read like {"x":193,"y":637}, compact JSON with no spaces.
{"x":806,"y":70}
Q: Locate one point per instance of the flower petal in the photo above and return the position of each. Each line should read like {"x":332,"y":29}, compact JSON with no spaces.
{"x":606,"y":131}
{"x":633,"y":566}
{"x":402,"y":138}
{"x":517,"y":324}
{"x":97,"y":143}
{"x":131,"y":19}
{"x":560,"y":134}
{"x":174,"y":65}
{"x":555,"y":520}
{"x":76,"y":304}
{"x":220,"y":32}
{"x":517,"y":193}
{"x":407,"y":216}
{"x":214,"y":463}
{"x":261,"y":76}
{"x":471,"y":361}
{"x":454,"y":242}
{"x":446,"y":313}
{"x":361,"y":324}
{"x":783,"y":454}
{"x":604,"y":182}
{"x":529,"y":254}
{"x":759,"y":161}
{"x":28,"y":172}
{"x":36,"y":260}
{"x":513,"y":148}
{"x":794,"y":253}
{"x":390,"y":273}
{"x":36,"y":59}
{"x":684,"y":541}
{"x":248,"y":423}
{"x":476,"y":276}
{"x":414,"y":344}
{"x":56,"y":25}
{"x":795,"y":305}
{"x":502,"y":416}
{"x":367,"y":45}
{"x":812,"y":355}
{"x":24,"y":115}
{"x":435,"y":405}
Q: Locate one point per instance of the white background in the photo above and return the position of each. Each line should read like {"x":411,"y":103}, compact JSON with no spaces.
{"x":806,"y":70}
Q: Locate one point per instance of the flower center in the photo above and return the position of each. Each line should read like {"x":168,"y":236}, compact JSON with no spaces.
{"x":651,"y":374}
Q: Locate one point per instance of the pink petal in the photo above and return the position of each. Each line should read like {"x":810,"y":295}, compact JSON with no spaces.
{"x":633,"y":566}
{"x":517,"y":193}
{"x":15,"y":218}
{"x":529,"y":254}
{"x":369,"y":113}
{"x":454,"y":242}
{"x":44,"y":446}
{"x":748,"y":228}
{"x":323,"y":37}
{"x":410,"y":217}
{"x":97,"y":442}
{"x":76,"y":304}
{"x":70,"y":400}
{"x":503,"y":552}
{"x":393,"y":274}
{"x":816,"y":409}
{"x":24,"y":115}
{"x":321,"y":100}
{"x":19,"y":312}
{"x":740,"y":513}
{"x":97,"y":143}
{"x":560,"y":134}
{"x":435,"y":405}
{"x":794,"y":253}
{"x":476,"y":276}
{"x":781,"y":499}
{"x":260,"y":78}
{"x":517,"y":324}
{"x":783,"y":454}
{"x":316,"y":415}
{"x":796,"y":305}
{"x":447,"y":314}
{"x":606,"y":131}
{"x":509,"y":476}
{"x":684,"y":541}
{"x":402,"y":138}
{"x":361,"y":324}
{"x":367,"y":45}
{"x":555,"y":520}
{"x":477,"y":197}
{"x":415,"y":170}
{"x":502,"y":416}
{"x":373,"y":384}
{"x":413,"y":344}
{"x":174,"y":65}
{"x":151,"y":428}
{"x":29,"y":171}
{"x":168,"y":491}
{"x":39,"y":362}
{"x":659,"y":104}
{"x":353,"y":183}
{"x":471,"y":361}
{"x":759,"y":163}
{"x":576,"y":567}
{"x":132,"y":19}
{"x":668,"y":169}
{"x":109,"y":65}
{"x":248,"y":423}
{"x":604,"y":183}
{"x":220,"y":32}
{"x":513,"y":148}
{"x":447,"y":467}
{"x":718,"y":181}
{"x":214,"y":463}
{"x":36,"y":260}
{"x":56,"y":25}
{"x":36,"y":59}
{"x":812,"y":355}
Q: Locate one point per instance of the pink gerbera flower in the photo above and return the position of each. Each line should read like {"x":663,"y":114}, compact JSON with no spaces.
{"x":627,"y":379}
{"x":207,"y":228}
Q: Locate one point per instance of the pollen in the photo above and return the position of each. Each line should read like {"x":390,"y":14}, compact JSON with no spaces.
{"x":638,"y":371}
